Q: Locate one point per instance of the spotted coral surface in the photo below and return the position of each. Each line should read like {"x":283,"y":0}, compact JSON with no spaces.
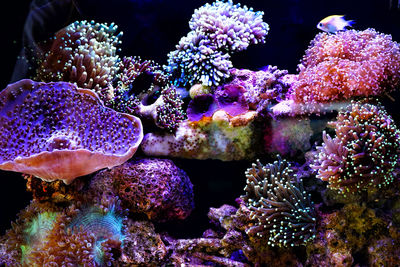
{"x":156,"y":188}
{"x":284,"y":212}
{"x":364,"y":153}
{"x":83,"y":53}
{"x":58,"y":131}
{"x":348,"y":64}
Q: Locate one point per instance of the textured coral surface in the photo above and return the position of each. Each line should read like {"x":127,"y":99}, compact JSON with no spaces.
{"x":58,"y":131}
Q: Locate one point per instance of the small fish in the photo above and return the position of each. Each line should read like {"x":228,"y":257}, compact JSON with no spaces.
{"x":334,"y":23}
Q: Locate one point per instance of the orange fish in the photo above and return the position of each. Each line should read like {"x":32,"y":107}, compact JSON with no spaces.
{"x":334,"y":23}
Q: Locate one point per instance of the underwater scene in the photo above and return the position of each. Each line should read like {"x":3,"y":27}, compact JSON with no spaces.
{"x":200,"y":133}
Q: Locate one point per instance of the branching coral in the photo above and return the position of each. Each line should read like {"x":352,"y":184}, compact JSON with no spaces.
{"x":363,"y":154}
{"x":219,"y":29}
{"x":347,"y":64}
{"x":58,"y":131}
{"x":142,"y":90}
{"x":83,"y":53}
{"x":285,"y":215}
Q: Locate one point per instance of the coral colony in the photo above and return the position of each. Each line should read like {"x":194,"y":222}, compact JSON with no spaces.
{"x":85,"y":131}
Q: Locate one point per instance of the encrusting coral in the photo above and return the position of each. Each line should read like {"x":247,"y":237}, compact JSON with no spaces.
{"x":284,"y":212}
{"x":347,"y":64}
{"x":156,"y":188}
{"x":219,"y":137}
{"x":364,"y":153}
{"x":355,"y":230}
{"x":58,"y":131}
{"x":217,"y":30}
{"x":83,"y":53}
{"x":264,"y":87}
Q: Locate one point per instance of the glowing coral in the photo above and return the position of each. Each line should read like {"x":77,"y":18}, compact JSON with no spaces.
{"x":83,"y":53}
{"x":57,"y":131}
{"x":347,"y":64}
{"x":219,"y":29}
{"x":364,"y":152}
{"x":278,"y":202}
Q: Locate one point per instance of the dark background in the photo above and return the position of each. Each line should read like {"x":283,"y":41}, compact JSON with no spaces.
{"x":152,"y":29}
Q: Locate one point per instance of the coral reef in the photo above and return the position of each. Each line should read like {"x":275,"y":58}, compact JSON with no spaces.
{"x":83,"y":53}
{"x":217,"y":30}
{"x":154,"y":187}
{"x":219,"y":137}
{"x":364,"y":153}
{"x":287,"y":136}
{"x":73,"y":134}
{"x":46,"y":235}
{"x":262,"y":88}
{"x":347,"y":64}
{"x":58,"y":131}
{"x":142,"y":90}
{"x":142,"y":245}
{"x":354,"y":230}
{"x":284,"y":211}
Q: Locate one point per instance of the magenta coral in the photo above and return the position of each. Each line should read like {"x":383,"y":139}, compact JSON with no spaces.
{"x":364,"y":152}
{"x":348,"y":64}
{"x":154,"y":187}
{"x":58,"y":131}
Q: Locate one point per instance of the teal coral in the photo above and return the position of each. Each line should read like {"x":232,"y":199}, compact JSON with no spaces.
{"x":283,"y":210}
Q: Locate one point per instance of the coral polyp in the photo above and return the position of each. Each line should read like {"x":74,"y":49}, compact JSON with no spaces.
{"x":83,"y":53}
{"x":277,"y":201}
{"x":217,"y":30}
{"x":348,"y":64}
{"x":364,"y":153}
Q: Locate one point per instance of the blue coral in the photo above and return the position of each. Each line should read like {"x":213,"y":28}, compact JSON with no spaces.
{"x":278,"y":202}
{"x":105,"y":226}
{"x":219,"y":29}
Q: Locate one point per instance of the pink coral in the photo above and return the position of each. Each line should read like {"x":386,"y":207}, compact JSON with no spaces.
{"x":57,"y":131}
{"x":347,"y":64}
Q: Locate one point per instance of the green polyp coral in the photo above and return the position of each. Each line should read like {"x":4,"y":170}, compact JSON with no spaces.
{"x":36,"y":231}
{"x":282,"y":208}
{"x":104,"y":226}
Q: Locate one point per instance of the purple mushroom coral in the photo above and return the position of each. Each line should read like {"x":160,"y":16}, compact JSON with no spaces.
{"x":56,"y":131}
